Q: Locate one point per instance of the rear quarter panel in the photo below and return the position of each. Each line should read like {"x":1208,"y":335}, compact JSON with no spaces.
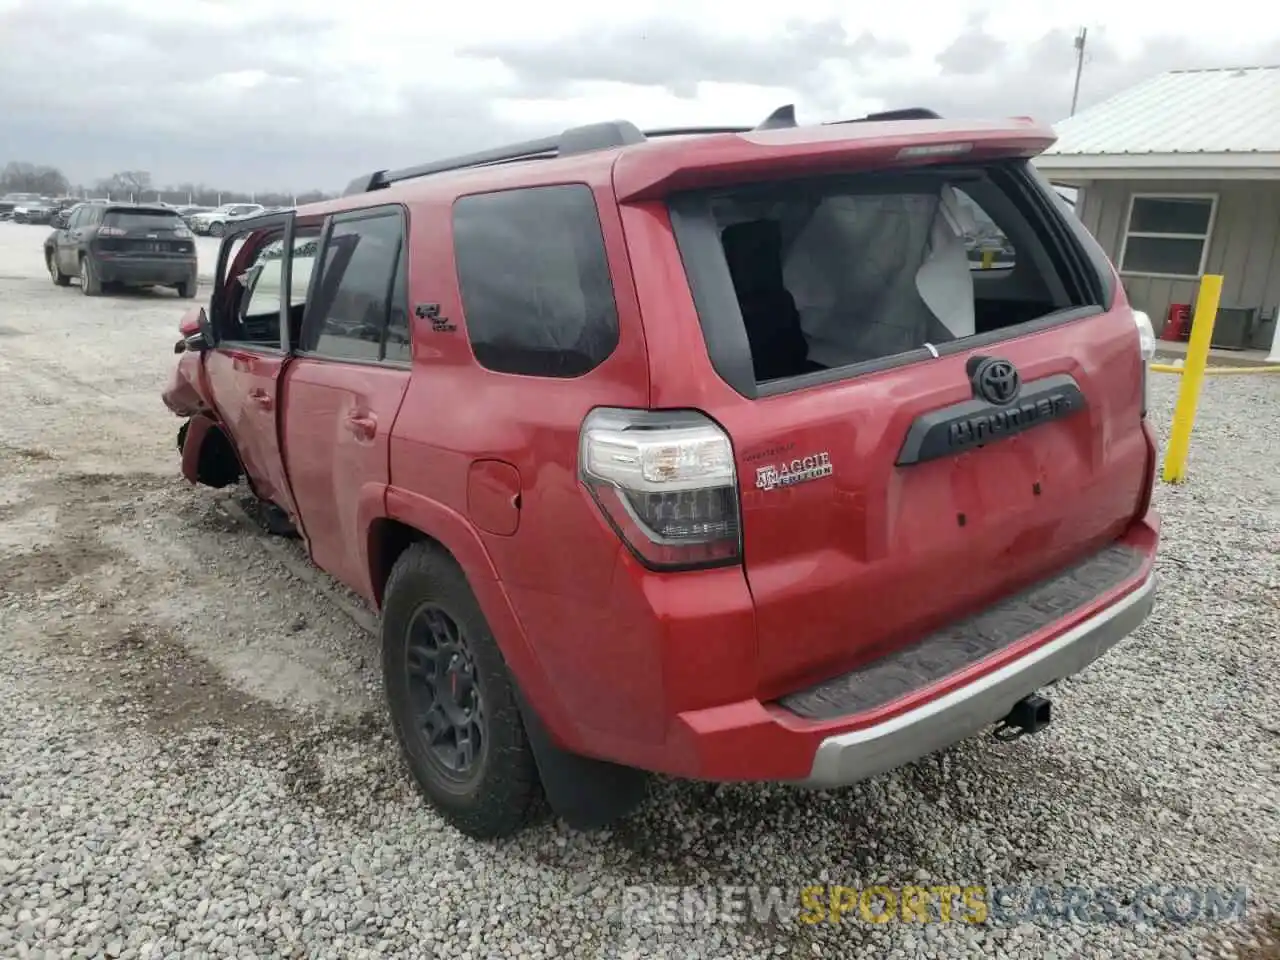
{"x":550,"y":579}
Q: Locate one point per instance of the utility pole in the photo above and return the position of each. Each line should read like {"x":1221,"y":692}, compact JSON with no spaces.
{"x":1075,"y":94}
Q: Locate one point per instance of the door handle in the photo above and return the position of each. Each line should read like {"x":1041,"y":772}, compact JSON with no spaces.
{"x":260,"y":398}
{"x":365,"y":427}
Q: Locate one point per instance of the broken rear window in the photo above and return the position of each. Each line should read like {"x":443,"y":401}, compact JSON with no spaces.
{"x":834,"y":273}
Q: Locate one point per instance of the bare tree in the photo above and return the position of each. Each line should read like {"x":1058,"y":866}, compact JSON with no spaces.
{"x":129,"y":183}
{"x":138,"y":185}
{"x":21,"y":177}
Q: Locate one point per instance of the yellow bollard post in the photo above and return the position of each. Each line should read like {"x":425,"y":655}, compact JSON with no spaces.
{"x":1184,"y":414}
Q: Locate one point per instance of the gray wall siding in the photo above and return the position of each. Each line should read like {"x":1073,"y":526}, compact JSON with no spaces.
{"x":1244,"y":246}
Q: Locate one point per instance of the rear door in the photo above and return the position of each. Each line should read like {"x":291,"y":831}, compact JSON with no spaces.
{"x":66,"y":242}
{"x":248,"y":313}
{"x":917,"y":443}
{"x":343,"y":390}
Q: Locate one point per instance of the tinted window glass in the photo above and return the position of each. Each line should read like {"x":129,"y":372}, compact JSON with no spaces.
{"x":142,"y":220}
{"x":350,"y":314}
{"x":398,"y":334}
{"x":536,"y":290}
{"x":77,"y":217}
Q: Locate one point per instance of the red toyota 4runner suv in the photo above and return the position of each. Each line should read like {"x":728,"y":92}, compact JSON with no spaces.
{"x":787,"y":453}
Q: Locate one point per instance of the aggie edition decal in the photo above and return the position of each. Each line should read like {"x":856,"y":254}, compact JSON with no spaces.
{"x":790,"y":472}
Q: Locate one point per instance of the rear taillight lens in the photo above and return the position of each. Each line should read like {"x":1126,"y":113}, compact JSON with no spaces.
{"x":181,"y":232}
{"x":1147,"y":349}
{"x":666,"y":482}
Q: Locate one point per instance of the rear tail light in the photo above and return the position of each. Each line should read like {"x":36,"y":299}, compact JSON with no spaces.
{"x":666,"y":482}
{"x":181,"y":232}
{"x":1147,"y":350}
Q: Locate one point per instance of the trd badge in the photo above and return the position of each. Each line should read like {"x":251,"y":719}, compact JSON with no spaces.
{"x":790,"y":472}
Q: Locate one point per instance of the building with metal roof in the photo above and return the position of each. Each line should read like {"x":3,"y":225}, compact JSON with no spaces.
{"x":1180,"y":176}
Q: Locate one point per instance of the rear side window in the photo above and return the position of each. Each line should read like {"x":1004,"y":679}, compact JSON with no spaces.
{"x":360,"y":289}
{"x":536,"y":290}
{"x":142,"y":220}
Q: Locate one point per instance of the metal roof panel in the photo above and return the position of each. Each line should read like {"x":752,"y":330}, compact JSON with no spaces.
{"x":1232,"y":110}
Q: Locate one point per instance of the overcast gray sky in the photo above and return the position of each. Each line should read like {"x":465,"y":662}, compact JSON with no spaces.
{"x":262,"y":94}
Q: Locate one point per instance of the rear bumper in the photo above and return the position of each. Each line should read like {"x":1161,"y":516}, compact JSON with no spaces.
{"x":145,"y":270}
{"x":881,"y":716}
{"x":849,"y":757}
{"x":671,"y":668}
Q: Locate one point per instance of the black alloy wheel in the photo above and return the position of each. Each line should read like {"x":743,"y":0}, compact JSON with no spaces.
{"x":447,"y":704}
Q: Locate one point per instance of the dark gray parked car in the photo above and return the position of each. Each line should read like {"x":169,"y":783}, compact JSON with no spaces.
{"x":123,"y":244}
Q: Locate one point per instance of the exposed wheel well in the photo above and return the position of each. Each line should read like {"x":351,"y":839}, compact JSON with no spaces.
{"x":387,"y":540}
{"x":218,"y":465}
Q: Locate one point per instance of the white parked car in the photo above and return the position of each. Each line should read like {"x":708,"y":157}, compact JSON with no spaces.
{"x":214,"y":222}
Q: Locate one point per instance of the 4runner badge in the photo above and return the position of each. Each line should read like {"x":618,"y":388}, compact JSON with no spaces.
{"x":790,"y":472}
{"x":431,"y":311}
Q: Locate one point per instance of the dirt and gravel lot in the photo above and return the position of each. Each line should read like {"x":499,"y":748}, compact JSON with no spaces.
{"x":195,"y":760}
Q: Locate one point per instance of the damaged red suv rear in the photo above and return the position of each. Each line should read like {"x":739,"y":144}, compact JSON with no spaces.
{"x":791,"y":453}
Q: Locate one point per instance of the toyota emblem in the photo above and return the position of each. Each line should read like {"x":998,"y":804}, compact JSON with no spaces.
{"x":996,"y":381}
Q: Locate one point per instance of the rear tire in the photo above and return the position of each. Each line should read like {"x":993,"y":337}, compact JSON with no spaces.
{"x":90,"y":285}
{"x":55,"y":272}
{"x":452,"y":702}
{"x":187,"y":289}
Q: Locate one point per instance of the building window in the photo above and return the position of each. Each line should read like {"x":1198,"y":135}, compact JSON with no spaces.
{"x":1168,"y":236}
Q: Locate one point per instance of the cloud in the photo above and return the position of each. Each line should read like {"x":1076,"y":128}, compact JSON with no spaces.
{"x":259,"y":94}
{"x":973,"y":52}
{"x":208,"y":96}
{"x":671,"y":55}
{"x":980,"y":75}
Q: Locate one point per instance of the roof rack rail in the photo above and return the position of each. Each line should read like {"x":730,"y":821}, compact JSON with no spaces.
{"x":693,"y":131}
{"x":906,"y":113}
{"x":583,"y":139}
{"x":594,"y":136}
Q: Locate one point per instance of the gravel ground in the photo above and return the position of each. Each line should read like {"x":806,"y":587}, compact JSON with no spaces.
{"x":196,"y":761}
